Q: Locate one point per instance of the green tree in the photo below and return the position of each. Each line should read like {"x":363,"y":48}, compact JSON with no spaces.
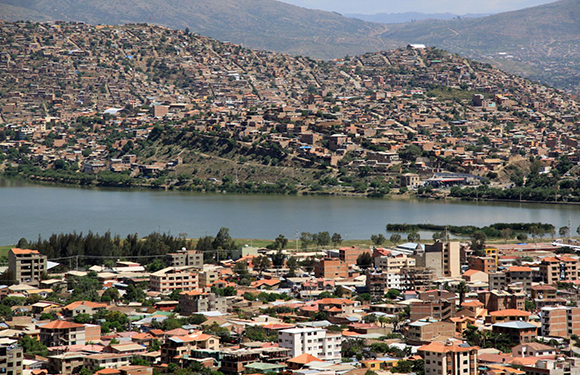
{"x":378,"y":240}
{"x":292,"y":265}
{"x":261,"y":263}
{"x":462,"y":290}
{"x":395,"y":239}
{"x":111,"y":294}
{"x":413,"y":237}
{"x":365,"y":260}
{"x":82,"y":318}
{"x":336,"y":239}
{"x":32,"y":346}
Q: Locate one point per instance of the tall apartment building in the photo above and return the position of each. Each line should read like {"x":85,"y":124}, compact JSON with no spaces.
{"x":192,"y":302}
{"x":169,"y":279}
{"x":62,"y":333}
{"x":314,"y":341}
{"x":349,"y":255}
{"x":559,"y":268}
{"x":185,"y":257}
{"x":330,"y":268}
{"x":449,"y":358}
{"x":521,"y":276}
{"x":393,"y":263}
{"x":379,"y":282}
{"x":442,"y":257}
{"x":11,"y":357}
{"x":26,"y":265}
{"x":560,"y":321}
{"x":483,"y":264}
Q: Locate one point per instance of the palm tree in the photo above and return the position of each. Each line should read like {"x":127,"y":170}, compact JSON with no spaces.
{"x":462,"y":290}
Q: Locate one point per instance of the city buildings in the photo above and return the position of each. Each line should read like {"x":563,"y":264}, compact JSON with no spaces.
{"x":27,"y":266}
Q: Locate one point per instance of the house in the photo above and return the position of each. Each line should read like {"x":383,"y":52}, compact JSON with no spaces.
{"x":449,"y":357}
{"x":60,"y":332}
{"x":82,"y":307}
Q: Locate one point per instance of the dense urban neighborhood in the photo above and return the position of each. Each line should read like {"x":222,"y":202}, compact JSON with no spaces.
{"x":142,"y":105}
{"x":71,"y":306}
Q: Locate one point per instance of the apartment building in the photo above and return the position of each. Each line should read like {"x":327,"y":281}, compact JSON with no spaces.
{"x":394,"y":263}
{"x":349,"y":255}
{"x":314,"y":341}
{"x":169,"y":279}
{"x":438,"y":309}
{"x":442,"y":257}
{"x":520,"y":277}
{"x":11,"y":357}
{"x":60,"y":332}
{"x":449,"y":358}
{"x":184,"y":257}
{"x":427,"y":330}
{"x":559,"y":321}
{"x":175,"y":347}
{"x":379,"y":282}
{"x":483,"y":264}
{"x":26,"y":265}
{"x":496,"y":300}
{"x":552,"y":367}
{"x":330,"y":268}
{"x":559,"y":268}
{"x":193,"y":302}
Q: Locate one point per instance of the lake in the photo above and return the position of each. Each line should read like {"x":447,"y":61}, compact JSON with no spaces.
{"x":29,"y":210}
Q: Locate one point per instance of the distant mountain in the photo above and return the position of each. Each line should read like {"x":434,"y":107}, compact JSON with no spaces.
{"x":541,"y":42}
{"x":409,"y":16}
{"x":260,"y":24}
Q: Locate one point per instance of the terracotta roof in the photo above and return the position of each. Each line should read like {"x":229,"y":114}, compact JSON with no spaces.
{"x":18,"y":251}
{"x":471,"y":272}
{"x":60,"y":324}
{"x":520,"y":269}
{"x":441,"y":347}
{"x":303,"y":359}
{"x":510,"y":312}
{"x":93,"y":305}
{"x":335,"y":301}
{"x":474,"y":303}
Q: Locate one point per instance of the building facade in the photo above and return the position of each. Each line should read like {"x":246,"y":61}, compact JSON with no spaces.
{"x":26,"y":265}
{"x":314,"y":341}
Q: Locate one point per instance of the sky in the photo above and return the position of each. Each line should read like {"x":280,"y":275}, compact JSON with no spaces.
{"x":424,"y":6}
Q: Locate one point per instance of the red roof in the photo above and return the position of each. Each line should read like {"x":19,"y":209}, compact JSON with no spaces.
{"x":61,"y":324}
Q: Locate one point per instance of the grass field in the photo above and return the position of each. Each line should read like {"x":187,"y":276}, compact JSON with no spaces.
{"x":4,"y":250}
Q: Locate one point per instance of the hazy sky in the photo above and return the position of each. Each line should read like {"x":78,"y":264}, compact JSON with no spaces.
{"x":423,"y":6}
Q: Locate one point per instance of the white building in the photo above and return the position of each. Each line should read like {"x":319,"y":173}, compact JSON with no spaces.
{"x":314,"y":341}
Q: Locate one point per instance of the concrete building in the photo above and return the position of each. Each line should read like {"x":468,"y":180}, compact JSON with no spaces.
{"x":552,"y":367}
{"x":314,"y":341}
{"x":483,"y":264}
{"x":193,"y":302}
{"x":175,"y":347}
{"x":184,"y":257}
{"x":427,"y":330}
{"x":518,"y":331}
{"x":60,"y":332}
{"x":438,"y":309}
{"x":410,"y":180}
{"x":66,"y":363}
{"x":349,"y":255}
{"x":330,"y":268}
{"x":379,"y":282}
{"x":496,"y":300}
{"x":11,"y":357}
{"x":443,"y":258}
{"x":559,"y":268}
{"x":520,"y":277}
{"x":169,"y":279}
{"x":497,"y":281}
{"x":26,"y":265}
{"x":394,"y":263}
{"x":560,"y":321}
{"x":449,"y":358}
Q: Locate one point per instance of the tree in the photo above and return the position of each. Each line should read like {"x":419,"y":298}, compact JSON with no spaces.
{"x":306,"y":239}
{"x":378,"y":240}
{"x":33,"y":346}
{"x":392,"y":294}
{"x":478,"y":240}
{"x":82,"y":318}
{"x":241,"y":269}
{"x":134,"y":294}
{"x":278,"y":258}
{"x":414,"y":237}
{"x":223,"y":240}
{"x":395,"y":239}
{"x":339,"y":291}
{"x":323,"y":239}
{"x":280,"y":243}
{"x":336,"y":239}
{"x":522,"y":237}
{"x":462,"y":290}
{"x":365,"y":260}
{"x":292,"y":265}
{"x":261,"y":264}
{"x":196,"y":319}
{"x":564,"y":231}
{"x":506,"y":234}
{"x":155,"y":266}
{"x":111,"y":294}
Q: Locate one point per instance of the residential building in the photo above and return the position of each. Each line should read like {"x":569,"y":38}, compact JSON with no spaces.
{"x":552,"y":367}
{"x":175,"y":347}
{"x":410,"y":180}
{"x":533,"y":349}
{"x":442,"y":257}
{"x":560,"y":321}
{"x":340,"y":305}
{"x":379,"y":282}
{"x":66,"y":363}
{"x":508,"y":315}
{"x":82,"y":307}
{"x":559,"y":268}
{"x":518,"y":331}
{"x":521,"y":277}
{"x":11,"y":357}
{"x":107,"y":360}
{"x":497,"y":281}
{"x":438,"y":309}
{"x":427,"y":330}
{"x":60,"y":332}
{"x":449,"y":358}
{"x":193,"y":301}
{"x":26,"y":265}
{"x":349,"y":255}
{"x":394,"y":263}
{"x":315,"y":341}
{"x":169,"y":279}
{"x":483,"y":264}
{"x":495,"y":300}
{"x":184,"y":258}
{"x":331,"y":268}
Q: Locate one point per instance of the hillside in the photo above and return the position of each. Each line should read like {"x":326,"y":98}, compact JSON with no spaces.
{"x":259,"y":24}
{"x":541,"y":42}
{"x":139,"y":105}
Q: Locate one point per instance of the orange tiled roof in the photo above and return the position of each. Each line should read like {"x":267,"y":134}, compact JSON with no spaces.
{"x":19,"y":251}
{"x":60,"y":324}
{"x":510,"y":312}
{"x":441,"y":347}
